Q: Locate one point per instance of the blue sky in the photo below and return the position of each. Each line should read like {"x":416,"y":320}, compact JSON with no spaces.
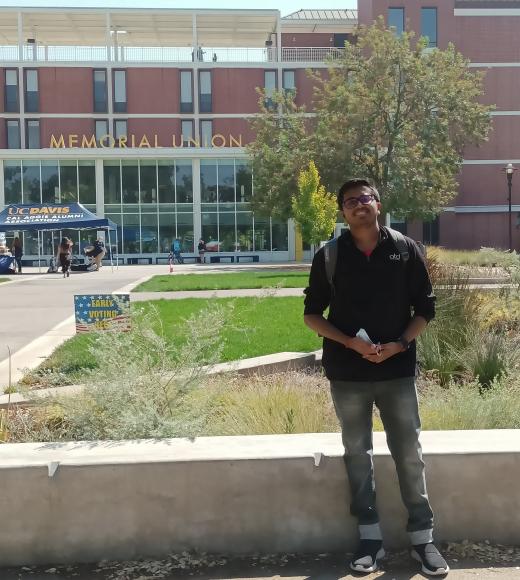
{"x":286,"y":7}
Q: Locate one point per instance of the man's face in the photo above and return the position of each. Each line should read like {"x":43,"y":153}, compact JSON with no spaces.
{"x":360,"y":206}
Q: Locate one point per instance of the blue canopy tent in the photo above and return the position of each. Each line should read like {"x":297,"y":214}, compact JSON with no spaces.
{"x":54,"y":216}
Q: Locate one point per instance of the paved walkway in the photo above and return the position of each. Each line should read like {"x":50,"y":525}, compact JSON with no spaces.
{"x":309,"y":568}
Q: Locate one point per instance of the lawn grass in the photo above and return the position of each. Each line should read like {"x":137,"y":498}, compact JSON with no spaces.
{"x":5,"y":280}
{"x":229,"y":281}
{"x":256,"y":327}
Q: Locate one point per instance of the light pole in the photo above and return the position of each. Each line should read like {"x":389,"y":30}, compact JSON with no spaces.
{"x":509,"y":169}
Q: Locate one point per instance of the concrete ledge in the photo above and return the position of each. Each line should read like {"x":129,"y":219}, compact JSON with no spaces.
{"x":260,"y":365}
{"x":84,"y":501}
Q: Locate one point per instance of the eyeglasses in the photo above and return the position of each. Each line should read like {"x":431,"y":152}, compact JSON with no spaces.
{"x":352,"y":202}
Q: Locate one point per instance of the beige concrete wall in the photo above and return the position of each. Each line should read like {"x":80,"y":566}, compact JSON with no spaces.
{"x":87,"y":501}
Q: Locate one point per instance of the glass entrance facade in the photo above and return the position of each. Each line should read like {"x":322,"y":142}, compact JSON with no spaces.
{"x":153,"y":202}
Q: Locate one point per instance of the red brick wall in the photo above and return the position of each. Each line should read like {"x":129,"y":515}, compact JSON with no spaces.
{"x":3,"y":136}
{"x":163,"y":128}
{"x":308,"y":39}
{"x":234,"y":89}
{"x":488,"y":39}
{"x":153,"y":90}
{"x":66,"y":90}
{"x":235,"y":127}
{"x":485,"y":185}
{"x":472,"y":231}
{"x":502,"y":88}
{"x":2,"y":83}
{"x":503,"y":141}
{"x":65,"y":127}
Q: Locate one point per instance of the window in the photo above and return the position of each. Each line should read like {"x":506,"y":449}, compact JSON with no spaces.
{"x":289,"y":82}
{"x":119,"y":91}
{"x":396,"y":20}
{"x":100,"y":91}
{"x":13,"y":134}
{"x":31,"y":91}
{"x":205,"y":91}
{"x":33,"y":134}
{"x":270,"y":87}
{"x":429,"y":25}
{"x":187,"y":133}
{"x":11,"y":91}
{"x":120,"y":131}
{"x":101,"y":131}
{"x":206,"y":133}
{"x":186,"y":92}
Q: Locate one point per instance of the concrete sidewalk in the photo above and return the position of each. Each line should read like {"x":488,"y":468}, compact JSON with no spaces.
{"x":307,"y":567}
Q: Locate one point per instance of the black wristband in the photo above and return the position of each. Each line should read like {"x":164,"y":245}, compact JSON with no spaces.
{"x":403,"y":342}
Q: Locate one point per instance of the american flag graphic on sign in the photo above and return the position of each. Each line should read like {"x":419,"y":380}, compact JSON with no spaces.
{"x":100,"y":312}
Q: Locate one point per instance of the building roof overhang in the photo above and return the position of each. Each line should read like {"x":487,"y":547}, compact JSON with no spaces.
{"x":328,"y":21}
{"x":138,"y":27}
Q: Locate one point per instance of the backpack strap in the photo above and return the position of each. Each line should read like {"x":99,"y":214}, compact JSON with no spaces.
{"x":400,"y":244}
{"x":331,"y":254}
{"x":331,"y":257}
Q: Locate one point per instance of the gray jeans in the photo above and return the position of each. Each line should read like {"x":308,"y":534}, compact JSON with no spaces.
{"x":397,"y":403}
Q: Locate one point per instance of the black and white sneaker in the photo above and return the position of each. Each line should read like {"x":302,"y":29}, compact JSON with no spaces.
{"x":365,"y":559}
{"x":432,"y":562}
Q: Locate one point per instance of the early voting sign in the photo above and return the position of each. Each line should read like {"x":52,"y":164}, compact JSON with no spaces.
{"x":102,"y":312}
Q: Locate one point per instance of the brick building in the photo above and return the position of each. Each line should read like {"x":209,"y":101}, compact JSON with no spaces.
{"x":142,"y":115}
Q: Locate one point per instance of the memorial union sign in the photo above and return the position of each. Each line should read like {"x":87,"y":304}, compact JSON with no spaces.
{"x":142,"y":142}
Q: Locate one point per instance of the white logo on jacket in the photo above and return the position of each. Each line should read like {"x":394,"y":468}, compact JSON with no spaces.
{"x":395,"y":256}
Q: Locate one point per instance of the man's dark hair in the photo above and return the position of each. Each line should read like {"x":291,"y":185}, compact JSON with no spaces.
{"x":355,"y":184}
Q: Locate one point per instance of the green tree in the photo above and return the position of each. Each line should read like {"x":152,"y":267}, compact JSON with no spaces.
{"x":314,"y":209}
{"x":278,"y":154}
{"x":393,"y":111}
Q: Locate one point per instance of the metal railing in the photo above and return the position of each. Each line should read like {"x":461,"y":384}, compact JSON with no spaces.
{"x":160,"y":54}
{"x":311,"y":54}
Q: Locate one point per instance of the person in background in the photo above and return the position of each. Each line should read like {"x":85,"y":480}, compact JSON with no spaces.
{"x":98,"y":253}
{"x":202,"y":250}
{"x":64,"y":255}
{"x":17,"y":251}
{"x":176,"y":250}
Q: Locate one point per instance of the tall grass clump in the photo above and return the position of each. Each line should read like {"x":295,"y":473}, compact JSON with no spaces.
{"x":140,"y":389}
{"x":440,"y":346}
{"x":468,"y":340}
{"x":466,"y":406}
{"x":292,"y":402}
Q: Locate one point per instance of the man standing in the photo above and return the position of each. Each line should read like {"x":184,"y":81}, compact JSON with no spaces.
{"x":369,"y":357}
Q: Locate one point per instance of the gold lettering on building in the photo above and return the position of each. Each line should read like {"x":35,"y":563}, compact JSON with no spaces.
{"x":107,"y":142}
{"x":214,"y":140}
{"x":60,"y":143}
{"x":234,"y":142}
{"x":144,"y":142}
{"x":88,"y":143}
{"x":131,"y":141}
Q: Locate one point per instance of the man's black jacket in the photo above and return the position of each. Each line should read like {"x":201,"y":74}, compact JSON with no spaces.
{"x":377,"y":293}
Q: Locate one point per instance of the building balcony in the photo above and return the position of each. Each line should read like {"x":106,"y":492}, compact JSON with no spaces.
{"x":39,"y":54}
